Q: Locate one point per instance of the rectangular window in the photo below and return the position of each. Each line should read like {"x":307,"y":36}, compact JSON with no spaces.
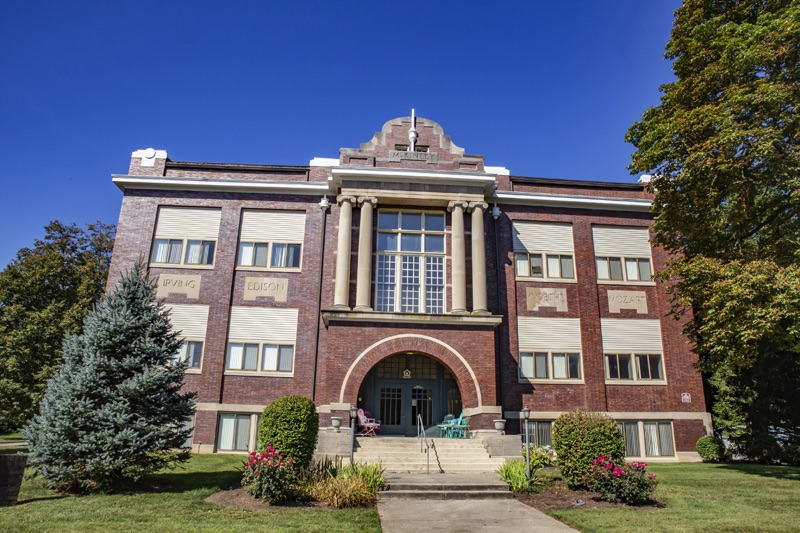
{"x":656,"y":435}
{"x":410,"y":265}
{"x":185,"y":236}
{"x":648,"y":367}
{"x":272,"y":357}
{"x":622,"y":253}
{"x":234,"y":432}
{"x":537,"y":365}
{"x":532,"y":265}
{"x":275,"y":254}
{"x":540,"y":432}
{"x":191,"y":352}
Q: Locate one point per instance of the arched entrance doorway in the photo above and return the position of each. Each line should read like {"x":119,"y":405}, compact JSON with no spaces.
{"x":402,"y":386}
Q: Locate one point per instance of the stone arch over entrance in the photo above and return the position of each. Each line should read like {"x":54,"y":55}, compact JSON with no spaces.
{"x":443,"y":352}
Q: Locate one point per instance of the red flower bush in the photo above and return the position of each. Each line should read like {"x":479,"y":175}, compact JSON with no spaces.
{"x":621,"y":483}
{"x":269,"y":476}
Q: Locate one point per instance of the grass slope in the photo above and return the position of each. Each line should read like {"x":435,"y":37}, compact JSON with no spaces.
{"x":175,"y":504}
{"x":708,"y":498}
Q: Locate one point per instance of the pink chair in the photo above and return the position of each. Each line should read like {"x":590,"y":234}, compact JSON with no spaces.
{"x":367,"y":426}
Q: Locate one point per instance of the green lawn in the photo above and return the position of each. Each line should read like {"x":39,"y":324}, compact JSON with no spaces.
{"x":177,"y":506}
{"x":706,"y":497}
{"x":11,"y":437}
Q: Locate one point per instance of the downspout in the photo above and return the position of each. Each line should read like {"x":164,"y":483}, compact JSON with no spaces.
{"x":324,"y":204}
{"x":497,"y":338}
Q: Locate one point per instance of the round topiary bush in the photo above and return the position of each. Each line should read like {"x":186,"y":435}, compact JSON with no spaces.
{"x":290,"y":425}
{"x":581,"y":437}
{"x":711,"y":449}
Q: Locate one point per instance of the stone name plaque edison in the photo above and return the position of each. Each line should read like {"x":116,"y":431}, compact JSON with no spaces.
{"x":178,"y":284}
{"x":276,"y":288}
{"x":546,"y":297}
{"x":618,"y":300}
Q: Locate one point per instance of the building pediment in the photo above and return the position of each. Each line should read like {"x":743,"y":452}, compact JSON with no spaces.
{"x":392,"y":147}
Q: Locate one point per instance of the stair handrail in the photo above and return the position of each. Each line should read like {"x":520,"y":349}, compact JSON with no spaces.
{"x":423,"y":440}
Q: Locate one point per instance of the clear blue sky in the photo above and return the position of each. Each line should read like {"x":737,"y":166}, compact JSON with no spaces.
{"x":545,"y":88}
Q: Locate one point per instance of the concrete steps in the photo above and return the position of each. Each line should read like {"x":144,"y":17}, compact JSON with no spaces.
{"x":483,"y":486}
{"x":398,"y":454}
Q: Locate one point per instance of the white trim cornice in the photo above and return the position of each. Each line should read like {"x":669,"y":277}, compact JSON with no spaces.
{"x":125,"y":182}
{"x":475,"y":179}
{"x":572,"y":201}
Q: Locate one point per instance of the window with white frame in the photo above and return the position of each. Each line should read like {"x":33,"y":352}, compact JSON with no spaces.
{"x":271,"y":239}
{"x":190,"y":321}
{"x":260,"y":357}
{"x":191,"y":352}
{"x":633,"y":351}
{"x":622,"y":253}
{"x":540,"y":432}
{"x":656,"y":436}
{"x":234,"y":432}
{"x":410,"y":262}
{"x":543,"y":250}
{"x":261,"y":341}
{"x":185,"y":236}
{"x":549,"y":349}
{"x":549,"y":365}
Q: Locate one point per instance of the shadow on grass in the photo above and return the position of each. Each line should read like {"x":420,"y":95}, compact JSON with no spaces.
{"x":178,"y":481}
{"x":12,"y":450}
{"x":791,"y":473}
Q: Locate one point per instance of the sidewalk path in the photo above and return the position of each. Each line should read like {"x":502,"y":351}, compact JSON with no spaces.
{"x":452,"y":516}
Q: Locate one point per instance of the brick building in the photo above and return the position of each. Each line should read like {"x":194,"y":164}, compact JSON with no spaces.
{"x":409,"y":278}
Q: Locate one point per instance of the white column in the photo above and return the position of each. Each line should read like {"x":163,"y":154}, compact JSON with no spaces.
{"x":364,"y":279}
{"x":342,"y":287}
{"x":458,"y":258}
{"x":479,"y":305}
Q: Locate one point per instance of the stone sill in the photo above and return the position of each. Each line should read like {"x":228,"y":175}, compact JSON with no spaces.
{"x":410,"y":318}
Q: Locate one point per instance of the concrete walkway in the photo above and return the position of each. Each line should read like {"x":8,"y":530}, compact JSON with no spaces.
{"x":421,"y":514}
{"x":451,"y":516}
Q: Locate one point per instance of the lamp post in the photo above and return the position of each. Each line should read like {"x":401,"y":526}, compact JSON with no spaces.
{"x":353,"y":415}
{"x":526,"y":414}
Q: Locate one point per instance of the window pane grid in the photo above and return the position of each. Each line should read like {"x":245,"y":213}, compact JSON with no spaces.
{"x":276,"y":255}
{"x":434,"y":284}
{"x":533,"y":265}
{"x":272,"y":357}
{"x":410,"y":286}
{"x":549,"y":365}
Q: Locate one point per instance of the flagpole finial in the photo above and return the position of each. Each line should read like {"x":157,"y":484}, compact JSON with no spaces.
{"x":412,"y":133}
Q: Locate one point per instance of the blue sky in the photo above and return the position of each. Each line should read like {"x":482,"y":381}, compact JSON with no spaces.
{"x":545,"y":88}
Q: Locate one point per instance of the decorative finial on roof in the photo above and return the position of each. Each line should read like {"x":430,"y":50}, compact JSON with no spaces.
{"x":412,"y":133}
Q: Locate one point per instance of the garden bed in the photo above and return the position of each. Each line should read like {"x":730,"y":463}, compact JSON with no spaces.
{"x":556,"y":496}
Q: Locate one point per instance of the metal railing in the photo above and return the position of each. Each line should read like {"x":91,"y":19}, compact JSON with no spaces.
{"x":425,"y":447}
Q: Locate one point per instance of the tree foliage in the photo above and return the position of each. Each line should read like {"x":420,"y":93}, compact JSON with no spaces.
{"x":114,"y":411}
{"x":45,"y":293}
{"x":724,"y":148}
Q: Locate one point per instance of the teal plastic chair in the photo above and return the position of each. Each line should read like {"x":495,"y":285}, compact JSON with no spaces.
{"x":447,"y":423}
{"x":460,"y":430}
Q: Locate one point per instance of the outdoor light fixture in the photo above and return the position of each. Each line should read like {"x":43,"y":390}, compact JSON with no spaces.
{"x":526,"y":414}
{"x":353,"y":415}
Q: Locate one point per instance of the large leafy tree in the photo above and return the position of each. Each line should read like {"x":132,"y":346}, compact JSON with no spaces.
{"x":114,"y":411}
{"x":45,"y":293}
{"x":724,"y":150}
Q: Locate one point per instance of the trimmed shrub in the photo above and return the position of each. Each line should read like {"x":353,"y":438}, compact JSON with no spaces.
{"x":290,"y":424}
{"x":579,"y":438}
{"x":621,"y":483}
{"x":711,"y":449}
{"x":268,"y":476}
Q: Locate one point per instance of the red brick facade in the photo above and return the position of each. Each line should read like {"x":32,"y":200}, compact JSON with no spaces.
{"x":337,"y":348}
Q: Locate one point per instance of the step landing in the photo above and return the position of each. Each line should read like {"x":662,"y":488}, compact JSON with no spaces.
{"x":445,"y":487}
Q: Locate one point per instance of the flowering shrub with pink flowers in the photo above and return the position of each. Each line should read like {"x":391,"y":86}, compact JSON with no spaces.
{"x":621,"y":482}
{"x":269,"y":476}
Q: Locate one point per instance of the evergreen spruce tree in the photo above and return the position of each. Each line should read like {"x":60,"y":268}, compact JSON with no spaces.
{"x":114,"y":411}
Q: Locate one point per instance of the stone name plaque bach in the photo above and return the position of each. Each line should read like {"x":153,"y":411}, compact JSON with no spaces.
{"x":276,"y":288}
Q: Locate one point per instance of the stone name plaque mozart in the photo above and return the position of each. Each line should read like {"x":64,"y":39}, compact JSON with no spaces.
{"x":178,"y":284}
{"x":276,"y":288}
{"x":546,"y":297}
{"x":618,"y":300}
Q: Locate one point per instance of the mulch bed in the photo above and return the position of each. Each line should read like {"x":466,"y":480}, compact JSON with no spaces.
{"x":238,"y":498}
{"x":556,"y":496}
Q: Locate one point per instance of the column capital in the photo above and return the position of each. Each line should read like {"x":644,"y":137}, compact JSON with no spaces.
{"x":346,"y":199}
{"x":367,"y":200}
{"x":483,"y":206}
{"x":456,"y":203}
